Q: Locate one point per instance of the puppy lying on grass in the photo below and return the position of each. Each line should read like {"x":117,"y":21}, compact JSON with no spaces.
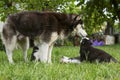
{"x":89,"y":53}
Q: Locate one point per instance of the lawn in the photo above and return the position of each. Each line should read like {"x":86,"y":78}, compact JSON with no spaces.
{"x":58,"y":71}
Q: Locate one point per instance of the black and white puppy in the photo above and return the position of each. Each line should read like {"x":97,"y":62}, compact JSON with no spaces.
{"x":89,"y":53}
{"x":35,"y":50}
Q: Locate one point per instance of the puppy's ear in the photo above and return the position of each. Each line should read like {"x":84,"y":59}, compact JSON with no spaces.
{"x":84,"y":43}
{"x":89,"y":42}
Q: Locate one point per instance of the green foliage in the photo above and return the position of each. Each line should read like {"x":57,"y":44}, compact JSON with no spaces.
{"x":58,"y":71}
{"x":67,"y":42}
{"x":70,"y":7}
{"x":9,"y":6}
{"x":117,"y":28}
{"x":94,"y":12}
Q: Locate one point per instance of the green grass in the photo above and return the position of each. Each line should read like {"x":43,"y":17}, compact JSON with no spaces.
{"x":58,"y":71}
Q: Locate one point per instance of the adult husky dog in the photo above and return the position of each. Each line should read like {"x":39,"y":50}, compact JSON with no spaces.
{"x":44,"y":27}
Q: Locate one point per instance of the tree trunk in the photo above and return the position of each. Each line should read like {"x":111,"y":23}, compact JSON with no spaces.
{"x":109,"y":29}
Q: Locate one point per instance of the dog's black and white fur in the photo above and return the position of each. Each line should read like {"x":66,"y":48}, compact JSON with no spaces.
{"x":89,"y":53}
{"x":43,"y":27}
{"x":35,"y":49}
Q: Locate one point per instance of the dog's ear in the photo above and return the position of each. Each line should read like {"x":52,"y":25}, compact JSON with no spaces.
{"x":89,"y":42}
{"x":77,"y":18}
{"x":83,"y":42}
{"x":86,"y":42}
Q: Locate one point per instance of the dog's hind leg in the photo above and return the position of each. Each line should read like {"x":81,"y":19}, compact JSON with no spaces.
{"x":24,"y":44}
{"x":9,"y":47}
{"x":9,"y":40}
{"x":114,"y":60}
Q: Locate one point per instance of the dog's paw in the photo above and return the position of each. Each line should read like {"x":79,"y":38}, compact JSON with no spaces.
{"x":75,"y":61}
{"x":65,"y":59}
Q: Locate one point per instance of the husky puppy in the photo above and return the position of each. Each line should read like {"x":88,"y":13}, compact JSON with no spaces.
{"x":89,"y":53}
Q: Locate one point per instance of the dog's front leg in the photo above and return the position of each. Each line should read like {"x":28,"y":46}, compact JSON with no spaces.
{"x":9,"y":47}
{"x":9,"y":55}
{"x":42,"y":53}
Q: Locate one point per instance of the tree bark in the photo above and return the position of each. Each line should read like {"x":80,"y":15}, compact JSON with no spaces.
{"x":109,"y":29}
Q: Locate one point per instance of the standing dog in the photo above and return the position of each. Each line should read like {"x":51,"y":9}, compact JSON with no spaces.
{"x":89,"y":53}
{"x":43,"y":27}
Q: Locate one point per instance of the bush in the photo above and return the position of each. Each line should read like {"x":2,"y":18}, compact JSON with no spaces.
{"x":68,"y":42}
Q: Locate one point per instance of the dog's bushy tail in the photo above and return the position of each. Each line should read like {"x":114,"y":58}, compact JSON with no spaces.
{"x":114,"y":60}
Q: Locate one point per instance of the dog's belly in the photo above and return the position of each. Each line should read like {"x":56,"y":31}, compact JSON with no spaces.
{"x":49,"y":38}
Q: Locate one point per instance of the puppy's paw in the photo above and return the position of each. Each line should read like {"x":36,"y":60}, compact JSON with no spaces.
{"x":65,"y":59}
